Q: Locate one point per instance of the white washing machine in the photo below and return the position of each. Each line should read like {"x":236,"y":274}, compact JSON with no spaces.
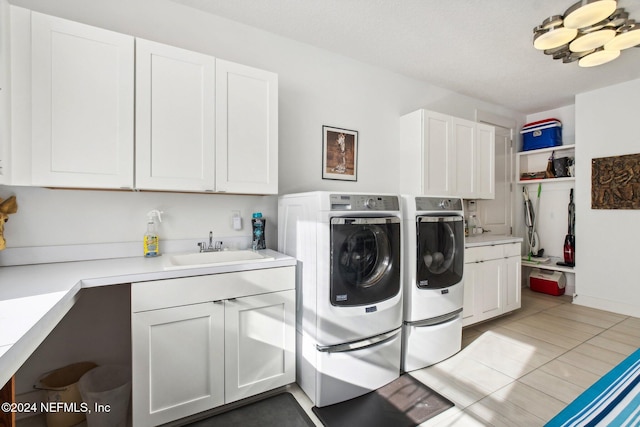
{"x":349,"y":290}
{"x":433,"y":274}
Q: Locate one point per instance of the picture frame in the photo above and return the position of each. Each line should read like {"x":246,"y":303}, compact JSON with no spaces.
{"x":339,"y":154}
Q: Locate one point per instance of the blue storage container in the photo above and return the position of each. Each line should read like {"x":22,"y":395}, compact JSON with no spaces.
{"x":541,"y":134}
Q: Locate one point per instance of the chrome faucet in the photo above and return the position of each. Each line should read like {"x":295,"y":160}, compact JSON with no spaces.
{"x":212,"y":247}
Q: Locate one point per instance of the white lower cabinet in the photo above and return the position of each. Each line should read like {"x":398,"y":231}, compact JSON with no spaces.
{"x":231,"y":337}
{"x":259,"y":344}
{"x":178,"y":362}
{"x":491,"y":282}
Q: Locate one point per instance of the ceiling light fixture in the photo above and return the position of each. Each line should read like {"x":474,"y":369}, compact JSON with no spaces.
{"x":598,"y":57}
{"x":588,"y":12}
{"x":591,"y":32}
{"x":628,"y":36}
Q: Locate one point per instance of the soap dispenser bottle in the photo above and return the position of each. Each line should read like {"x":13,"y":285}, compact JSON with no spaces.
{"x":151,"y":241}
{"x":258,"y":223}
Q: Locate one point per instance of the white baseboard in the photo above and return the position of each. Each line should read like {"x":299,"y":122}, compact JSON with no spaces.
{"x":607,"y":305}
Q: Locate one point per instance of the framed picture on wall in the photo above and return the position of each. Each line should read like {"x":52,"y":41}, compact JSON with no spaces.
{"x":339,"y":154}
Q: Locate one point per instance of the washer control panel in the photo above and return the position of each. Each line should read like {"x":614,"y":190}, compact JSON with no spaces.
{"x":438,"y":204}
{"x":362,"y":202}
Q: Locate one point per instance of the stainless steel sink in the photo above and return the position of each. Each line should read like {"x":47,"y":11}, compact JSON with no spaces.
{"x":205,"y":259}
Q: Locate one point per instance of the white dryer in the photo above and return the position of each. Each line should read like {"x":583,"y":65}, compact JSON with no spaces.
{"x":349,"y":290}
{"x":433,"y":273}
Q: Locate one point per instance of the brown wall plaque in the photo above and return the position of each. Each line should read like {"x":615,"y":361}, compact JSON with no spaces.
{"x":615,"y":182}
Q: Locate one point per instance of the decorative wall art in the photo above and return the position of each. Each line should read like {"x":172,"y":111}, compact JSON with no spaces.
{"x":339,"y":154}
{"x":615,"y":182}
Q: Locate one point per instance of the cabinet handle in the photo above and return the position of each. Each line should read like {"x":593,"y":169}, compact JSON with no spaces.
{"x":231,"y":299}
{"x":218,"y":301}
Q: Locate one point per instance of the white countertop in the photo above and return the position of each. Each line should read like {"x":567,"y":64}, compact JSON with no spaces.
{"x":489,"y":239}
{"x":34,"y":298}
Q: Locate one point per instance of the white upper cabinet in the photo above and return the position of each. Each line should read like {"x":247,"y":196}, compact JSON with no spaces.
{"x":175,"y":118}
{"x":486,"y":161}
{"x":442,"y":155}
{"x":82,"y":105}
{"x":246,"y":129}
{"x":201,"y":124}
{"x":465,"y":169}
{"x":427,"y":153}
{"x":474,"y":159}
{"x":5,"y":113}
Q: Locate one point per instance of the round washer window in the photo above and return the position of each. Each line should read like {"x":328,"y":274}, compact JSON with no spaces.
{"x":439,"y":253}
{"x":365,"y":256}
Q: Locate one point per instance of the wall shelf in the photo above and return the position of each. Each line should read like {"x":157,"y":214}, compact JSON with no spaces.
{"x":549,"y":265}
{"x":536,"y":161}
{"x":534,"y":181}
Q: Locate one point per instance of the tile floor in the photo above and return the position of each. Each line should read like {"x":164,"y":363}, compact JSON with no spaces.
{"x":523,"y":368}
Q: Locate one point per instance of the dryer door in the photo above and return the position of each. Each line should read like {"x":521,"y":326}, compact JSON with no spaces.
{"x":365,"y":260}
{"x":440,"y":251}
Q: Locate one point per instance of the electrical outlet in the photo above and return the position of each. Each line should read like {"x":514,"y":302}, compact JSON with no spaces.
{"x":472,"y":205}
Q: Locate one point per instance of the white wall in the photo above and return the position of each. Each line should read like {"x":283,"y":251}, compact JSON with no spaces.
{"x":607,"y":240}
{"x":316,"y":88}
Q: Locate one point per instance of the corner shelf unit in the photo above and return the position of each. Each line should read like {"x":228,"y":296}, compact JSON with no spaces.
{"x":536,"y":161}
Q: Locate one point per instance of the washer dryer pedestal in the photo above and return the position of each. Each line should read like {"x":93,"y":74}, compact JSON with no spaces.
{"x":427,"y":344}
{"x":329,"y":377}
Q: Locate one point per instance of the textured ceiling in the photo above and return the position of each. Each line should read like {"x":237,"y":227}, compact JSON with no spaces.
{"x":479,"y":48}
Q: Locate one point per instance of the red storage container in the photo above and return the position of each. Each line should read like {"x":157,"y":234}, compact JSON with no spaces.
{"x":547,"y":282}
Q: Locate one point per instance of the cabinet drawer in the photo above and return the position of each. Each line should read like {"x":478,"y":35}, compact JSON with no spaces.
{"x":512,"y":249}
{"x":483,"y":253}
{"x":158,"y":294}
{"x":486,"y":253}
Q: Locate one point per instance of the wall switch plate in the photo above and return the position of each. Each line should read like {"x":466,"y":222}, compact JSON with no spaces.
{"x":236,"y":220}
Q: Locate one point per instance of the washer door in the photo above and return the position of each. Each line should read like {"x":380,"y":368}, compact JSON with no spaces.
{"x":440,"y":251}
{"x":365,"y":260}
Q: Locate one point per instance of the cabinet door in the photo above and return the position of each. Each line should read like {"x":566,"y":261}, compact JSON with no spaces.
{"x":465,"y":170}
{"x":438,"y":154}
{"x":246,"y":129}
{"x":5,"y":114}
{"x":486,"y":161}
{"x":471,"y":288}
{"x":175,"y":118}
{"x":512,"y":284}
{"x":259,"y":344}
{"x":178,"y":362}
{"x":483,"y":290}
{"x":82,"y":105}
{"x":490,"y":293}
